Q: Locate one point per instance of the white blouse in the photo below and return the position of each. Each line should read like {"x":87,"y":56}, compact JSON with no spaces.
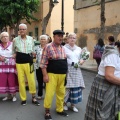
{"x":6,"y":52}
{"x":73,"y":55}
{"x":111,"y":60}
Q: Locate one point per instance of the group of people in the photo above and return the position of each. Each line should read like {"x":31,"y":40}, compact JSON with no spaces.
{"x":60,"y":75}
{"x":15,"y":64}
{"x":54,"y":66}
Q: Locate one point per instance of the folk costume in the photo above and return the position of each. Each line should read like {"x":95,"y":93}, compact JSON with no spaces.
{"x":104,"y":98}
{"x":54,"y":59}
{"x":8,"y":77}
{"x":75,"y":82}
{"x":24,"y":64}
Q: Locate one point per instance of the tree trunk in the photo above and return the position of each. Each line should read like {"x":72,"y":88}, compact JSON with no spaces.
{"x":103,"y":19}
{"x":47,"y":17}
{"x":16,"y":30}
{"x":16,"y":27}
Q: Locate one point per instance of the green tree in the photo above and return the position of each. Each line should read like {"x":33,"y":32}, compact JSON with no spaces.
{"x":13,"y":11}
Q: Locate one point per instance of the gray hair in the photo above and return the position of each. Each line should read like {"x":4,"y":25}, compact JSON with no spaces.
{"x":22,"y":24}
{"x":71,"y":34}
{"x":1,"y":35}
{"x":43,"y":37}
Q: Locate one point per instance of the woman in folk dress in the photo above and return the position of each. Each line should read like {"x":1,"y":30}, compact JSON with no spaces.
{"x":8,"y":77}
{"x":104,"y":97}
{"x":75,"y":82}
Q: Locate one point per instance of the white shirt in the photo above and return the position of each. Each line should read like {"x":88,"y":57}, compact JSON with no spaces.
{"x":111,"y":60}
{"x":73,"y":55}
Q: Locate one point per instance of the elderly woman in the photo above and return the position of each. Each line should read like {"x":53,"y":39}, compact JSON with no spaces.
{"x":8,"y":77}
{"x":104,"y":98}
{"x":75,"y":82}
{"x":43,"y":41}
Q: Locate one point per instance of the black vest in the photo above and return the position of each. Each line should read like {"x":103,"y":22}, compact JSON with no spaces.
{"x":57,"y":66}
{"x":22,"y":58}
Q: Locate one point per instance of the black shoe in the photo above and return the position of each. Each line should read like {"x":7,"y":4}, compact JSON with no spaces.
{"x":36,"y":103}
{"x":63,"y":114}
{"x":48,"y":116}
{"x":23,"y":102}
{"x":27,"y":88}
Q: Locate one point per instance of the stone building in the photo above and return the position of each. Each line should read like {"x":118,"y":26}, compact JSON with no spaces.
{"x":87,"y":21}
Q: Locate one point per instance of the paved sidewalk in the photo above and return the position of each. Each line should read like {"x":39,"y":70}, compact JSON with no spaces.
{"x":90,"y":65}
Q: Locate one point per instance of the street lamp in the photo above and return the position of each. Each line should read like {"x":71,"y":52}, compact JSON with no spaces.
{"x":62,"y":14}
{"x":55,"y":1}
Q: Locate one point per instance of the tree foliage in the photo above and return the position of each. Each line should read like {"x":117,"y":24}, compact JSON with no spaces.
{"x":13,"y":11}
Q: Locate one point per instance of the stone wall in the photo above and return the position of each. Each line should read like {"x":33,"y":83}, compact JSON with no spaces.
{"x":79,"y":4}
{"x":87,"y":23}
{"x":112,"y":29}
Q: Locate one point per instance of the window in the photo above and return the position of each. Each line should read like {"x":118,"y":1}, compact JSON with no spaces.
{"x":36,"y":33}
{"x":30,"y":33}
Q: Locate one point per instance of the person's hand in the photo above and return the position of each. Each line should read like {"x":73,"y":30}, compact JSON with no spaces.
{"x":46,"y":78}
{"x":34,"y":54}
{"x":14,"y":56}
{"x":2,"y":58}
{"x":81,"y":62}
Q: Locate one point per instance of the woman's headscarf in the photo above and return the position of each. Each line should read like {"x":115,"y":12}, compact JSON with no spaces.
{"x":110,"y":50}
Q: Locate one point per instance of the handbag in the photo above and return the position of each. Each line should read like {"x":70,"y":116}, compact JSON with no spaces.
{"x":97,"y":54}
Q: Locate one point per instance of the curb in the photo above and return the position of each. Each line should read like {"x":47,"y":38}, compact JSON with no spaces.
{"x":89,"y":70}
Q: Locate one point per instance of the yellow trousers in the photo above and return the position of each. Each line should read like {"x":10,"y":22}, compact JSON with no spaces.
{"x":24,"y":69}
{"x":56,"y":84}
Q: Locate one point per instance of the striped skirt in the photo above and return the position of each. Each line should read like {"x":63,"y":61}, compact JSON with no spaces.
{"x":103,"y":101}
{"x":73,"y":95}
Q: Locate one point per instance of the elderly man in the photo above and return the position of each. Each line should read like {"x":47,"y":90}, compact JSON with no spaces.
{"x":23,"y":50}
{"x":54,"y":69}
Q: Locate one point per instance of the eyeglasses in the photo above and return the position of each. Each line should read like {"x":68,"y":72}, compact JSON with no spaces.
{"x":4,"y":36}
{"x":22,"y":29}
{"x":72,"y":38}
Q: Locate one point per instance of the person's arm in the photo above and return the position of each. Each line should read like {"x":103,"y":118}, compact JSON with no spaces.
{"x":45,"y":75}
{"x":33,"y":48}
{"x":96,"y":47}
{"x":81,"y":61}
{"x":13,"y":49}
{"x":43,"y":65}
{"x":111,"y":63}
{"x":109,"y":75}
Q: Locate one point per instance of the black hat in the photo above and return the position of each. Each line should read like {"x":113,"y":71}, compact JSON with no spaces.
{"x":58,"y":32}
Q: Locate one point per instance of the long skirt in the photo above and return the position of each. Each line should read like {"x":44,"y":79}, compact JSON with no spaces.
{"x":8,"y":83}
{"x":103,"y":101}
{"x":73,"y":95}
